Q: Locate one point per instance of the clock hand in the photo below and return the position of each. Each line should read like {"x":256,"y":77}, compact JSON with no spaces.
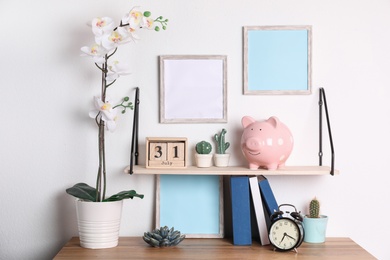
{"x":284,"y":235}
{"x":290,"y":236}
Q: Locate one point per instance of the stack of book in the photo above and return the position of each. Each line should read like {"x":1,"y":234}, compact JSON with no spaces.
{"x":246,"y":191}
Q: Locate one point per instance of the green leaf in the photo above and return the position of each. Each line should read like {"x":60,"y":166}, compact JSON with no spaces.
{"x":127,"y":194}
{"x":82,"y":191}
{"x":147,"y":13}
{"x":85,"y":192}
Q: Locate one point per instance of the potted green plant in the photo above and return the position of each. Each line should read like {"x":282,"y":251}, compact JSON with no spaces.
{"x":98,"y":215}
{"x":315,"y":224}
{"x":221,"y":158}
{"x":203,"y":156}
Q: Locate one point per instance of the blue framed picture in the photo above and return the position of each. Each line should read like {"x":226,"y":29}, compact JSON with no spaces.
{"x":192,"y":204}
{"x":277,"y":60}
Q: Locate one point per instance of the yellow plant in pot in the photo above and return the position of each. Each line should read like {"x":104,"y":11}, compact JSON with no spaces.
{"x":108,"y":38}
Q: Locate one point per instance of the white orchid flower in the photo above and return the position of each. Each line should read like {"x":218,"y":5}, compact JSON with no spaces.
{"x":133,"y":21}
{"x":148,"y":23}
{"x":110,"y":119}
{"x":113,"y":40}
{"x":107,"y":112}
{"x":96,"y":51}
{"x":109,"y":116}
{"x":134,"y":17}
{"x":98,"y":103}
{"x":129,"y":32}
{"x":116,"y":69}
{"x":101,"y":27}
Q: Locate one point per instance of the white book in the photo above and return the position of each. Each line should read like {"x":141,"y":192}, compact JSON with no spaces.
{"x":259,"y":210}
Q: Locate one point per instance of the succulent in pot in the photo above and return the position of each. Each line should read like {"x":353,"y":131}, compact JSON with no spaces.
{"x":222,"y":146}
{"x":203,"y":156}
{"x":314,"y":223}
{"x":221,"y":158}
{"x":203,"y":147}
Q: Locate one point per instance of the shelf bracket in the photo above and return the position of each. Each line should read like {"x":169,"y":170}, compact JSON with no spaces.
{"x":321,"y":103}
{"x":134,"y":138}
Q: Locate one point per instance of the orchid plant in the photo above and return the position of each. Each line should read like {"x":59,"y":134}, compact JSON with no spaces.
{"x":108,"y":38}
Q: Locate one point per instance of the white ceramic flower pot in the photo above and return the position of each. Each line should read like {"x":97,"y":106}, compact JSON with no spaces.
{"x":204,"y":160}
{"x":99,"y":223}
{"x":221,"y":160}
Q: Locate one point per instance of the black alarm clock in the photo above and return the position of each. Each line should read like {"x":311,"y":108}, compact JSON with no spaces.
{"x":286,"y":231}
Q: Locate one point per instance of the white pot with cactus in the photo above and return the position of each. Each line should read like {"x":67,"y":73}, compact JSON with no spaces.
{"x":221,"y":158}
{"x":99,"y":215}
{"x":203,"y":156}
{"x":315,"y":224}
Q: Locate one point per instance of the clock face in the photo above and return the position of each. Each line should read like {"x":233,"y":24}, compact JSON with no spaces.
{"x":285,"y":234}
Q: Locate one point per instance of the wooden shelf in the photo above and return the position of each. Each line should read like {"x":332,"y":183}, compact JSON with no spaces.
{"x":234,"y":170}
{"x":214,"y":248}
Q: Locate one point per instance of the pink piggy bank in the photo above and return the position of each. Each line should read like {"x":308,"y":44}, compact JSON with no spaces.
{"x":266,"y":144}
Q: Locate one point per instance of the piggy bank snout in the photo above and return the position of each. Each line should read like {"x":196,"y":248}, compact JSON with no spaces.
{"x":253,"y":143}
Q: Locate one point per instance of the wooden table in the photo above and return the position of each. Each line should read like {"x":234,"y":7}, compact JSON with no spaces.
{"x":214,"y":248}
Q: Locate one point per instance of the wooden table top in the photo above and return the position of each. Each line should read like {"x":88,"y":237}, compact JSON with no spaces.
{"x":214,"y":248}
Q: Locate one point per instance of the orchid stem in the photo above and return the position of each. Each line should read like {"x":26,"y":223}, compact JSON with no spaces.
{"x":101,"y":178}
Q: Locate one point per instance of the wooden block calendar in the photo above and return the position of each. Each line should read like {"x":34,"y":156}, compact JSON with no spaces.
{"x":166,"y":152}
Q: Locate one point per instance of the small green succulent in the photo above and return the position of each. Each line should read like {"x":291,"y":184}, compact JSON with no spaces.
{"x":163,"y":237}
{"x":314,"y":208}
{"x":203,"y":147}
{"x":222,"y":146}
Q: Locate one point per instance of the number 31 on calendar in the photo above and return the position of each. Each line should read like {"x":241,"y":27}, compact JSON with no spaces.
{"x":166,"y":152}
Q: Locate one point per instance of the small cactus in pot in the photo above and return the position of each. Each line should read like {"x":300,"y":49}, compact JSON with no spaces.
{"x":222,"y":146}
{"x":203,"y":147}
{"x":314,"y":208}
{"x":221,"y":158}
{"x":203,"y":157}
{"x":315,"y":224}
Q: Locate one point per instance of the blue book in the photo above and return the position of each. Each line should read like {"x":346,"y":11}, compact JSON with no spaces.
{"x":241,"y":212}
{"x":268,"y":196}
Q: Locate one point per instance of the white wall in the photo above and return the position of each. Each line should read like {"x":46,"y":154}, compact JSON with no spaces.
{"x":48,"y":143}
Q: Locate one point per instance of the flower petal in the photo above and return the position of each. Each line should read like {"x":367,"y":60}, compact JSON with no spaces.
{"x":135,"y":16}
{"x":93,"y":113}
{"x":96,"y":51}
{"x":98,"y":103}
{"x":116,"y":69}
{"x":102,"y":26}
{"x":99,"y":60}
{"x":111,"y":76}
{"x":148,"y":23}
{"x":111,"y":125}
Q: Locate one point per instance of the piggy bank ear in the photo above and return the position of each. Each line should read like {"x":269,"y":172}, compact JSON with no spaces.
{"x":247,"y":120}
{"x":274,"y":121}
